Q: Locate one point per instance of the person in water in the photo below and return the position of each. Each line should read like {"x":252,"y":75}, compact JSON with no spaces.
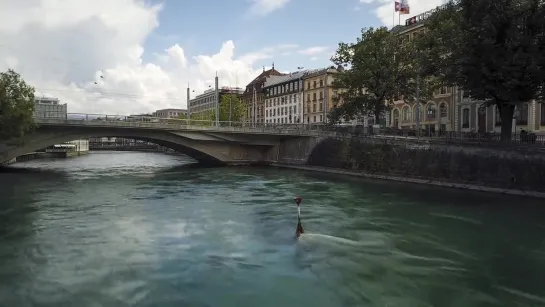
{"x":299,"y":229}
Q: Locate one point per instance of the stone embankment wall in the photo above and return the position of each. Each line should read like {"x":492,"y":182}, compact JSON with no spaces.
{"x":494,"y":167}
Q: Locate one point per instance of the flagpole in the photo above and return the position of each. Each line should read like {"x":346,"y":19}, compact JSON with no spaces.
{"x":394,"y":18}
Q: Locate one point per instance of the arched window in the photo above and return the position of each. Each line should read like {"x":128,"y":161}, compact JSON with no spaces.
{"x":396,"y":118}
{"x":431,"y":111}
{"x":406,"y":114}
{"x":443,"y":110}
{"x":396,"y":114}
{"x":415,"y":113}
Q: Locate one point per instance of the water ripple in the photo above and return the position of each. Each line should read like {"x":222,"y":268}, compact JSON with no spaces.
{"x":140,"y":229}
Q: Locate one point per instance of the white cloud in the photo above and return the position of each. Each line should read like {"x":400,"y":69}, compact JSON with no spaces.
{"x":385,"y":9}
{"x":64,"y":47}
{"x":265,"y":7}
{"x":314,"y":50}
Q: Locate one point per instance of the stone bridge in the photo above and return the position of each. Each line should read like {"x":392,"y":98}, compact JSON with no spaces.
{"x":212,"y":145}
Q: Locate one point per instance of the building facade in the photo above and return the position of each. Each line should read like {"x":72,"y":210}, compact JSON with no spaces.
{"x":438,"y":114}
{"x":206,"y":101}
{"x":476,"y":117}
{"x":49,"y":108}
{"x":254,"y":97}
{"x":284,"y":99}
{"x":452,"y":109}
{"x":319,"y":95}
{"x":170,"y":113}
{"x":52,"y":108}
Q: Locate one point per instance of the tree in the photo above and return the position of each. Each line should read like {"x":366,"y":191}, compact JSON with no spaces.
{"x":232,"y":109}
{"x":495,"y":50}
{"x":381,"y":70}
{"x":16,"y":106}
{"x":203,"y":118}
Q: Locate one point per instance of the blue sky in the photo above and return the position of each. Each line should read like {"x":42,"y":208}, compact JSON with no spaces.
{"x":201,"y":27}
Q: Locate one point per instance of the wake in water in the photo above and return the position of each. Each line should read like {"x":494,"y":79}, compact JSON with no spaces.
{"x":302,"y":235}
{"x":327,"y":238}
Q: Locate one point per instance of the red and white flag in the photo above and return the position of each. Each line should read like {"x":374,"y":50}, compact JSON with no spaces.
{"x":402,"y":6}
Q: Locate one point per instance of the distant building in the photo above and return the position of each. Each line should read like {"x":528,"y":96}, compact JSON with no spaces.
{"x":49,"y":108}
{"x":148,"y":118}
{"x":207,"y":100}
{"x":170,"y":113}
{"x":254,"y":97}
{"x":320,"y":96}
{"x":52,"y":108}
{"x":284,"y":98}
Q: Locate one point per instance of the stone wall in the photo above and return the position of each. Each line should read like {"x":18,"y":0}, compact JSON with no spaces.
{"x":488,"y":167}
{"x":294,"y":151}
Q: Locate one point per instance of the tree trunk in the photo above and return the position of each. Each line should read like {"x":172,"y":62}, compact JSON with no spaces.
{"x":506,"y":114}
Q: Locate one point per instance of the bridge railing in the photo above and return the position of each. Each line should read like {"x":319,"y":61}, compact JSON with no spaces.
{"x":103,"y":120}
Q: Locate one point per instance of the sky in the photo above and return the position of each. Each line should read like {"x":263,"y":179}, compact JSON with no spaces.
{"x":121,"y":57}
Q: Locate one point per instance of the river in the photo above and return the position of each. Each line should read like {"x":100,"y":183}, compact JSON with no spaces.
{"x":144,"y":229}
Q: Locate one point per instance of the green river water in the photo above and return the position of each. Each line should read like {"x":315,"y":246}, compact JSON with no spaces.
{"x":145,"y":229}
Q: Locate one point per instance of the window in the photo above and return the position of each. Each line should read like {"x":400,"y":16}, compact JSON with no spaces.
{"x":314,"y":84}
{"x":430,"y":111}
{"x":443,"y":90}
{"x":396,"y":117}
{"x":498,"y":116}
{"x":418,"y":116}
{"x":321,"y":83}
{"x":308,"y":97}
{"x":313,"y":96}
{"x":522,"y":115}
{"x":542,"y":113}
{"x":406,"y":114}
{"x":321,"y":95}
{"x":308,"y":85}
{"x":465,"y":118}
{"x":443,"y":110}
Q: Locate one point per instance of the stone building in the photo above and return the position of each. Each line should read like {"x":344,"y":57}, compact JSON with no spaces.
{"x":284,"y":98}
{"x":320,"y":97}
{"x":441,"y":112}
{"x":254,"y":97}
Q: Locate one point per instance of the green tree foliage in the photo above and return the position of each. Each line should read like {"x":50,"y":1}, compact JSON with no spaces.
{"x":16,"y":106}
{"x":495,"y":50}
{"x":204,"y":118}
{"x":231,"y":108}
{"x":380,"y":70}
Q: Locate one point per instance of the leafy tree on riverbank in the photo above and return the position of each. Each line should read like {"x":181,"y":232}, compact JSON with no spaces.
{"x":231,"y":108}
{"x":230,"y":103}
{"x":495,"y":50}
{"x":16,"y":106}
{"x":380,"y":69}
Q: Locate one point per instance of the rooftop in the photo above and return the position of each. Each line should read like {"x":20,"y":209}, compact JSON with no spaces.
{"x":415,"y":21}
{"x":171,"y":109}
{"x":274,"y":80}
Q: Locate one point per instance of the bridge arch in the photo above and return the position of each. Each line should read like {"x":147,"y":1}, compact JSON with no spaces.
{"x":205,"y":152}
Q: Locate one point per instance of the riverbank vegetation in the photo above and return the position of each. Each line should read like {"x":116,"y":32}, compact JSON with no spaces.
{"x":16,"y":106}
{"x":494,"y":51}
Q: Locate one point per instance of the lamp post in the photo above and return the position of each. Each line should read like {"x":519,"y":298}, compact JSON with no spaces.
{"x":417,"y":105}
{"x":230,"y":98}
{"x":217,"y":101}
